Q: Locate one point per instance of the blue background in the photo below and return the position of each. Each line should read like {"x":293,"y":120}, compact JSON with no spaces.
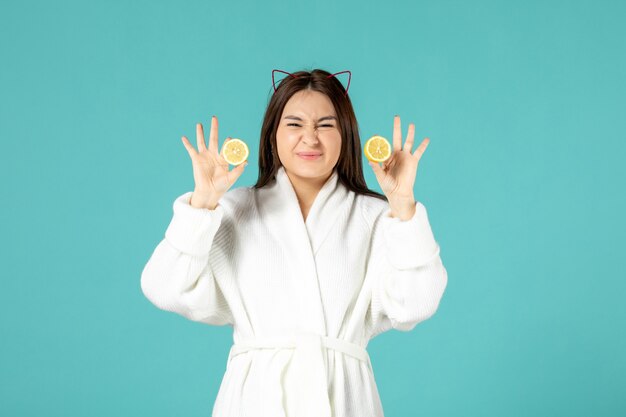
{"x":523,"y":180}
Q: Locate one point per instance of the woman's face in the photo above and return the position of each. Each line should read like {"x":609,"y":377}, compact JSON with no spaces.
{"x":309,"y":125}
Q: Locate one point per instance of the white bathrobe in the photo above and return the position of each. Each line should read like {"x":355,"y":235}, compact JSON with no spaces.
{"x":303,"y":297}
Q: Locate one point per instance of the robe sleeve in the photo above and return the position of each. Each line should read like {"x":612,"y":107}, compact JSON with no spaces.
{"x":178,"y":276}
{"x":410,"y":277}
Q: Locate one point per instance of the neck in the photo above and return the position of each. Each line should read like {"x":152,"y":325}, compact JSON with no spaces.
{"x":306,"y":189}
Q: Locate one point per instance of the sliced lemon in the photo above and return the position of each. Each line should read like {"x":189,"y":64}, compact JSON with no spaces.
{"x":377,"y":149}
{"x":235,"y":151}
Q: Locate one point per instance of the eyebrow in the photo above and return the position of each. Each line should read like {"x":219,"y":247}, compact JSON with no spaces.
{"x":319,"y":120}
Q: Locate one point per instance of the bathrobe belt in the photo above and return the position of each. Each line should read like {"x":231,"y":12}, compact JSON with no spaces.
{"x":308,"y":366}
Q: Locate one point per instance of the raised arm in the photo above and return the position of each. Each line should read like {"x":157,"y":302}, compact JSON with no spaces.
{"x":178,"y":276}
{"x":409,"y":277}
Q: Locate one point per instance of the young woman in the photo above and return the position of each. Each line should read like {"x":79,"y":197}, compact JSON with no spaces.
{"x":308,"y":264}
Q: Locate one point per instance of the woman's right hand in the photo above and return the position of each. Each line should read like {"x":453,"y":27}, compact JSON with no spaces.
{"x":210,"y":170}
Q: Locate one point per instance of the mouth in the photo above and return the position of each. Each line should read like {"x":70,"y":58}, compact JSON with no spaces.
{"x":309,"y":155}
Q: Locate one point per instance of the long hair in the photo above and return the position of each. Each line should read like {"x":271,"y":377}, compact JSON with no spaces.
{"x":349,"y":167}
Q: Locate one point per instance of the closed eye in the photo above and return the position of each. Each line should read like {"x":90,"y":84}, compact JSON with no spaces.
{"x":296,"y":124}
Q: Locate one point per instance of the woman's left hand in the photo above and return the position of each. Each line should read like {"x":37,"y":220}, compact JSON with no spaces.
{"x":397,"y":175}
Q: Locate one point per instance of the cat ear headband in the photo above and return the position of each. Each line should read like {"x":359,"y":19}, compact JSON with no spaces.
{"x":331,"y":75}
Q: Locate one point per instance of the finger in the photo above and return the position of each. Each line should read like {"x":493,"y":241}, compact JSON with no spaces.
{"x":389,"y":162}
{"x":385,"y":164}
{"x":420,"y":149}
{"x":221,"y":156}
{"x":236,"y":172}
{"x":200,"y":137}
{"x":189,"y":147}
{"x":408,"y":145}
{"x":213,"y":145}
{"x":378,"y":171}
{"x":397,"y":133}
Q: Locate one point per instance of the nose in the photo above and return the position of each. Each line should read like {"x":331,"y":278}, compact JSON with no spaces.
{"x":310,"y":136}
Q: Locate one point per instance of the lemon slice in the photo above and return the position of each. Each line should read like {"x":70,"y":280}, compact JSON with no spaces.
{"x":377,"y":149}
{"x":235,"y":151}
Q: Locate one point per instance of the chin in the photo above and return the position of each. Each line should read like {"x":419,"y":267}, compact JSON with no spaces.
{"x":306,"y":168}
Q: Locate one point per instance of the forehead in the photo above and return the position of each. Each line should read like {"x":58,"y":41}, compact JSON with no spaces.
{"x":308,"y":103}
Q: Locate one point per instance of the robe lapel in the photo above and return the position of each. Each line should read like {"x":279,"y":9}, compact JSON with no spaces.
{"x":300,"y":240}
{"x":329,"y":205}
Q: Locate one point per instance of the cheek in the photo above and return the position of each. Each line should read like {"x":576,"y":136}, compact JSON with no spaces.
{"x":286,"y":141}
{"x":332,"y":144}
{"x":334,"y":140}
{"x":337,"y":149}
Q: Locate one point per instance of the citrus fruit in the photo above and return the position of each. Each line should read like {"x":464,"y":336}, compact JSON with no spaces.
{"x":235,"y":151}
{"x":377,"y":149}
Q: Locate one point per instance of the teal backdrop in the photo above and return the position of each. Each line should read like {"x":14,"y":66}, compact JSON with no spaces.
{"x":523,"y":181}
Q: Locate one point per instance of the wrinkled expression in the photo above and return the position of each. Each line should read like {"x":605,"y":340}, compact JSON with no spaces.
{"x":308,"y":136}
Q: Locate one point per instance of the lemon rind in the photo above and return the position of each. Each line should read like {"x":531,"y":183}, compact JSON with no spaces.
{"x":245,"y":146}
{"x":369,"y":156}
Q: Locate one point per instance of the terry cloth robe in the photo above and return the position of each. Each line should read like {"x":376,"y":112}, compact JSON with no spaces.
{"x":303,"y":297}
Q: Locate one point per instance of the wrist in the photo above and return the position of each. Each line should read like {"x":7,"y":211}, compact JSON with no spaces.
{"x":198,"y":200}
{"x":402,"y":207}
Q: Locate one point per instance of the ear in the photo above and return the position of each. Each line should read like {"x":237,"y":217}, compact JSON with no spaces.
{"x":349,"y":78}
{"x":284,"y":72}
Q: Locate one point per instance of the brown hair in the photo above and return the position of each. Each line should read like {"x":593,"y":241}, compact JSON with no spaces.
{"x":349,"y":167}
